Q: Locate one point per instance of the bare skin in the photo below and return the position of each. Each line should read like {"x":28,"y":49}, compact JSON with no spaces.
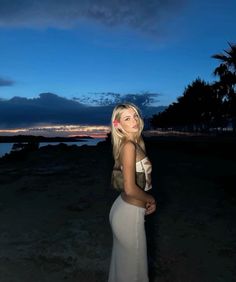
{"x":129,"y":122}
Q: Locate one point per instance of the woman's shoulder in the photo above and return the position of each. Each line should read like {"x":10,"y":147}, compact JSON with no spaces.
{"x":129,"y":142}
{"x":128,"y":147}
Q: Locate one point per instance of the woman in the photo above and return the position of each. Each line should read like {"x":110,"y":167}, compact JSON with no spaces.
{"x":129,"y":252}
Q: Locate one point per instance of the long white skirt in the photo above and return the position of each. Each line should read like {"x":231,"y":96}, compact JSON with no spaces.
{"x":129,"y":251}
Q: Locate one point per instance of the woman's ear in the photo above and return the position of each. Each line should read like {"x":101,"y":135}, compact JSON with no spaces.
{"x":120,"y":129}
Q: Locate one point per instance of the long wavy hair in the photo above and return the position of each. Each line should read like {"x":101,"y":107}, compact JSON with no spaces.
{"x":118,"y":136}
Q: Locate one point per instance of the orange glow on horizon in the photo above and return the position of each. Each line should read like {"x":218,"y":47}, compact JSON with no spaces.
{"x":94,"y":131}
{"x":93,"y":135}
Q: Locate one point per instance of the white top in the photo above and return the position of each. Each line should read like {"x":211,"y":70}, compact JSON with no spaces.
{"x":145,"y":166}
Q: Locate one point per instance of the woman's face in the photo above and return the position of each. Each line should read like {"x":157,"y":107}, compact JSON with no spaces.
{"x":129,"y":121}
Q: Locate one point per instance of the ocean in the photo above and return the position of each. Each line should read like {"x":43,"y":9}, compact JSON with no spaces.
{"x":6,"y":147}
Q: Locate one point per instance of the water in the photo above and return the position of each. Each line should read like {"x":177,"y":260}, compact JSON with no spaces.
{"x":6,"y":147}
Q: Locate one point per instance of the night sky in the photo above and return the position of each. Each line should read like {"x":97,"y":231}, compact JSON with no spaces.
{"x":66,"y":63}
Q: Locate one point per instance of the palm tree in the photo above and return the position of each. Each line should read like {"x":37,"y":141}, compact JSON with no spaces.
{"x":227,"y":84}
{"x":229,"y":59}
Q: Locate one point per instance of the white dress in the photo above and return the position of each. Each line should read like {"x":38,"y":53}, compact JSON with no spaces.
{"x":129,"y":252}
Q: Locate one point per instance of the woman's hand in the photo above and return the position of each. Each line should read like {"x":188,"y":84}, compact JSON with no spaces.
{"x":150,"y":206}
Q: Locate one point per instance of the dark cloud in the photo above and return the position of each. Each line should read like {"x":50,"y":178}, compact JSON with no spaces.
{"x":6,"y":82}
{"x":138,"y":14}
{"x":110,"y":98}
{"x":50,"y":108}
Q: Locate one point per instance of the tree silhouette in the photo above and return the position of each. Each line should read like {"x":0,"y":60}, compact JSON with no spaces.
{"x":226,"y":87}
{"x":204,"y":106}
{"x":195,"y":110}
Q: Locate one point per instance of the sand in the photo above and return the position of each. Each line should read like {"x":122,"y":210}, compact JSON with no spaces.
{"x":55,"y":202}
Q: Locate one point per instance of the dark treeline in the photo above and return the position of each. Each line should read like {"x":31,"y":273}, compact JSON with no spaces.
{"x":205,"y":107}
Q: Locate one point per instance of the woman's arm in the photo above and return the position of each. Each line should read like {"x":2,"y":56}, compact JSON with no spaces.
{"x":128,"y":161}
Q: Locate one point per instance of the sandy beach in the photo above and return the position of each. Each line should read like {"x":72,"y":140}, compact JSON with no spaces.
{"x":55,"y":202}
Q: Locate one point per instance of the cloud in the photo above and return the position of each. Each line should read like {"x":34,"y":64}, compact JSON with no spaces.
{"x":50,"y":108}
{"x":6,"y":82}
{"x":110,"y":98}
{"x":137,"y":14}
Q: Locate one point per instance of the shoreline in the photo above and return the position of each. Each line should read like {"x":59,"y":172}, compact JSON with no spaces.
{"x":7,"y":148}
{"x":41,"y":139}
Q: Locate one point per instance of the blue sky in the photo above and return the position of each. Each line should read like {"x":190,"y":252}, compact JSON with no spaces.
{"x":76,"y":48}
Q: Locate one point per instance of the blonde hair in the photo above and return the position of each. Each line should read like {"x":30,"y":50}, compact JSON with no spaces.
{"x":118,"y":136}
